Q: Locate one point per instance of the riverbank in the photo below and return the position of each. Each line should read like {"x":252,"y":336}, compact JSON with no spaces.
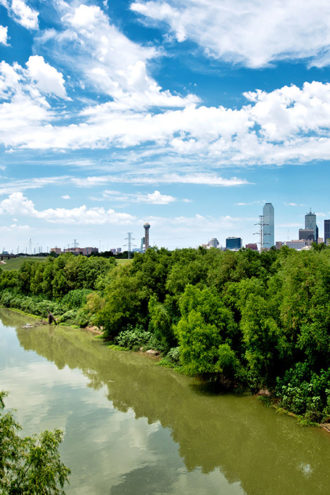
{"x":134,"y":427}
{"x":264,"y":395}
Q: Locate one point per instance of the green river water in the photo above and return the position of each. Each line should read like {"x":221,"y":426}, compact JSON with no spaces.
{"x":132,"y":427}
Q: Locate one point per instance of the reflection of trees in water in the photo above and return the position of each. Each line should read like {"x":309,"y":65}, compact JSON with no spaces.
{"x":247,"y":442}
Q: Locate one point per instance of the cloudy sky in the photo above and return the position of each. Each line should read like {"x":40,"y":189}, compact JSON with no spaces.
{"x":189,"y":114}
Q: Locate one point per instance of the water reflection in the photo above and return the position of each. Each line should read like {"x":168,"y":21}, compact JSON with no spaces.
{"x":257,"y":451}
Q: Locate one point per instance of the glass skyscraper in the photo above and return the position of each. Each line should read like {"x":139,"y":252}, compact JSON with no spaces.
{"x":326,"y":232}
{"x":310,"y":223}
{"x":268,"y":234}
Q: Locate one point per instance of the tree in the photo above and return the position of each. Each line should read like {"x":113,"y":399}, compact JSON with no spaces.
{"x":29,"y":465}
{"x":205,"y":333}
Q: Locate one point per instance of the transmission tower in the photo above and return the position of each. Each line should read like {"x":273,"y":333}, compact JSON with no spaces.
{"x":261,"y":232}
{"x":129,"y":240}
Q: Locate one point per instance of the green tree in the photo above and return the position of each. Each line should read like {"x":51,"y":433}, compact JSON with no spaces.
{"x":29,"y":465}
{"x":205,"y":333}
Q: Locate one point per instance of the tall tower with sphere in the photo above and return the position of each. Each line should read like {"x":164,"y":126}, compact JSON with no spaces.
{"x":146,"y":236}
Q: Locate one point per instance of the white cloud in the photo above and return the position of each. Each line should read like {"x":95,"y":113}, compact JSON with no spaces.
{"x":15,"y":204}
{"x":281,"y":126}
{"x":4,"y":35}
{"x":289,"y":124}
{"x":150,"y":177}
{"x":14,"y":228}
{"x":107,"y":60}
{"x":294,"y":204}
{"x":155,"y":198}
{"x":250,"y":203}
{"x":12,"y":186}
{"x":66,"y":196}
{"x":22,"y":13}
{"x":253,"y":33}
{"x":90,"y":181}
{"x":18,"y":204}
{"x":47,"y":78}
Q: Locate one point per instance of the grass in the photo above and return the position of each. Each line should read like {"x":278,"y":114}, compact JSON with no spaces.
{"x":123,"y":262}
{"x":16,"y":263}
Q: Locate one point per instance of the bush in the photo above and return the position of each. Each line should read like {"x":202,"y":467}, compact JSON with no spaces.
{"x":76,"y":298}
{"x":305,"y":393}
{"x":134,"y":338}
{"x":82,"y":318}
{"x":68,"y":316}
{"x":173,"y":355}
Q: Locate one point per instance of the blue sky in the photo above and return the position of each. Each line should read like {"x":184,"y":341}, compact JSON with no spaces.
{"x":188,"y":114}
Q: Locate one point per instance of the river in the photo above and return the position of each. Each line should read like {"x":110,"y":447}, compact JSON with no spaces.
{"x":132,"y":427}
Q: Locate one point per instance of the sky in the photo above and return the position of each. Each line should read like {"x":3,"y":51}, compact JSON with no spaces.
{"x":187,"y":114}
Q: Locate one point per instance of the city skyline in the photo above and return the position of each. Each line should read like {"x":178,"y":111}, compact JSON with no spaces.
{"x":114,"y":114}
{"x":265,"y":220}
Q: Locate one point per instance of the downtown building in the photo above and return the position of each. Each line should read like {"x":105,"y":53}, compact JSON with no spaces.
{"x":268,"y":226}
{"x":326,"y":238}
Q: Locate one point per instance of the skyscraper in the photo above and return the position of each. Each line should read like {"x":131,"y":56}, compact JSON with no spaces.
{"x":268,"y":233}
{"x":310,"y":223}
{"x":233,"y":243}
{"x":326,"y":232}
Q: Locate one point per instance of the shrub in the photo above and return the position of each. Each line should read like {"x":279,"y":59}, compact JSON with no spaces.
{"x":76,"y":298}
{"x":305,"y":392}
{"x":134,"y":338}
{"x":173,"y":355}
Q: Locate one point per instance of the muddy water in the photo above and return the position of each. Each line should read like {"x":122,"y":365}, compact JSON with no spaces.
{"x":132,"y":427}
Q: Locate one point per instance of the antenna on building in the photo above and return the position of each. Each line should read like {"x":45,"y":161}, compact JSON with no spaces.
{"x":75,"y":243}
{"x":261,"y":232}
{"x":30,"y":246}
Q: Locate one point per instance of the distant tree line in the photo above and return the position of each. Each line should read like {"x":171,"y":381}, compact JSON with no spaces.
{"x":246,"y":319}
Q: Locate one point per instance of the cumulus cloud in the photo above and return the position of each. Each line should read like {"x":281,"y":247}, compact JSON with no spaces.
{"x":3,"y":35}
{"x":288,"y":124}
{"x":280,"y":126}
{"x":251,"y":33}
{"x":107,"y":60}
{"x":46,"y":77}
{"x":156,"y":198}
{"x":18,"y":204}
{"x":22,"y":13}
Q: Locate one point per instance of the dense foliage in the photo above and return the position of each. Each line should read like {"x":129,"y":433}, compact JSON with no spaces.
{"x":243,"y":318}
{"x":29,"y":465}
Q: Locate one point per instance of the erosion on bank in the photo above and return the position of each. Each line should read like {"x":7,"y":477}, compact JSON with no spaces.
{"x":254,"y":320}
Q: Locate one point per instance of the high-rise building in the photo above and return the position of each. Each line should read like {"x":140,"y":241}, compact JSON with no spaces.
{"x":327,"y":232}
{"x":306,"y":234}
{"x":233,"y":243}
{"x":213,"y":242}
{"x":268,"y":228}
{"x":310,"y":224}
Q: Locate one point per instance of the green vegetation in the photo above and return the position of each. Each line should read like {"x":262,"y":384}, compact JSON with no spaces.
{"x":29,"y":465}
{"x":244,"y":319}
{"x":16,"y":263}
